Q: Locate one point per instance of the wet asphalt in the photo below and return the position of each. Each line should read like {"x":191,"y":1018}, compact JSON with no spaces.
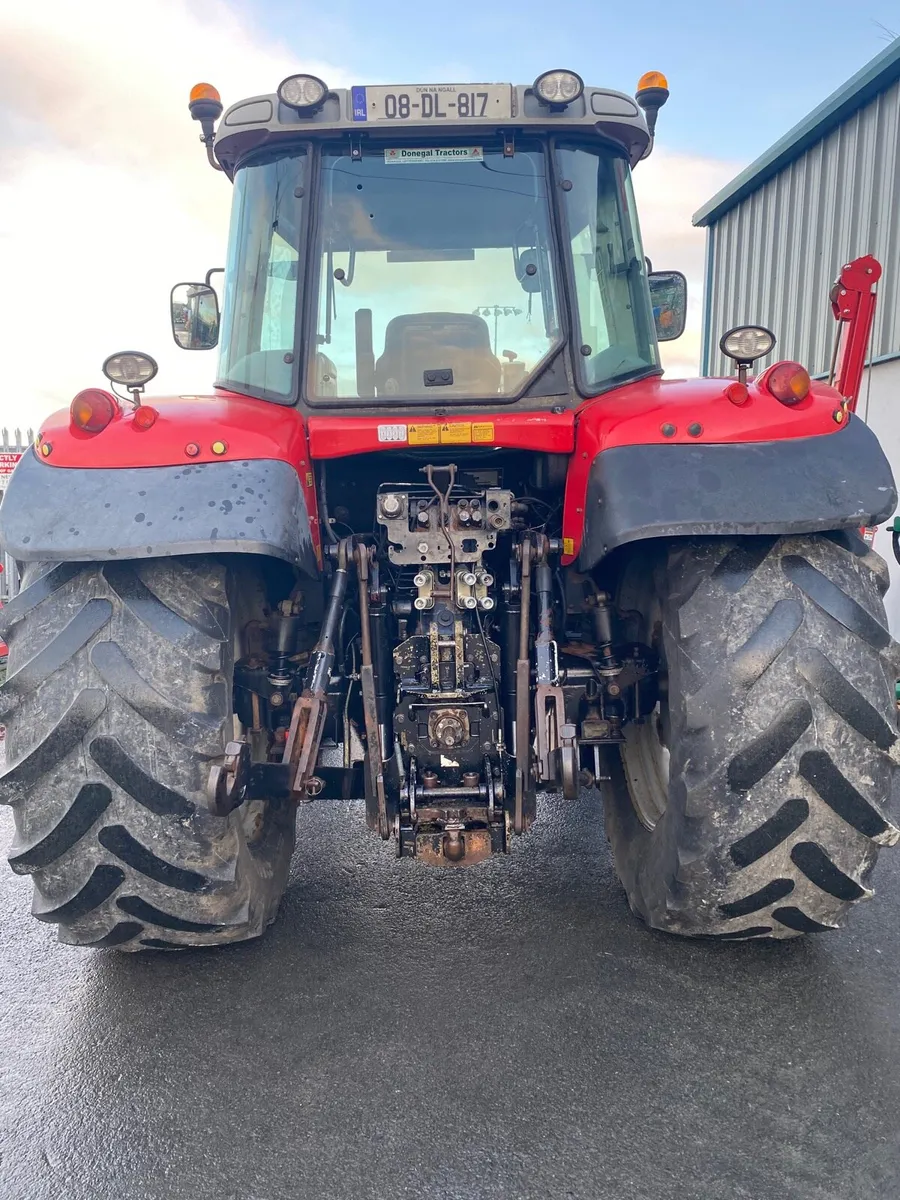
{"x":504,"y":1031}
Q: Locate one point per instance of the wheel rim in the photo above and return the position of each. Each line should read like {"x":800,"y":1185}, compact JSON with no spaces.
{"x":645,"y":750}
{"x":645,"y":757}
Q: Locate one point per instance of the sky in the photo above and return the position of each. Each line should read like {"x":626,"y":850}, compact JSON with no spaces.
{"x":106,"y":198}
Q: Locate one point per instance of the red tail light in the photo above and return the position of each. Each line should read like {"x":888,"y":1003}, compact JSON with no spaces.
{"x":144,"y":416}
{"x":92,"y":410}
{"x":737,"y":393}
{"x":788,"y":382}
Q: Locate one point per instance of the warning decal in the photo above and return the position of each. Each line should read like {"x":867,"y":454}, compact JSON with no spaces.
{"x":457,"y":433}
{"x":423,"y":435}
{"x":451,"y":433}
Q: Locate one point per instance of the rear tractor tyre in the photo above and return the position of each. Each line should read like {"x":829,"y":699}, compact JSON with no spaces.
{"x":117,"y":703}
{"x":752,"y":804}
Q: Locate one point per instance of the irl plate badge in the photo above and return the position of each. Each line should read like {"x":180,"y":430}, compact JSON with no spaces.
{"x":358,"y":101}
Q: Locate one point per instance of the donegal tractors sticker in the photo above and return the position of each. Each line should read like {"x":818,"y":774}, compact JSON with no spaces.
{"x":433,"y":154}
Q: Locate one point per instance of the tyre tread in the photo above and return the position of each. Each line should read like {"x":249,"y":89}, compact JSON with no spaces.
{"x":782,"y":755}
{"x":109,"y":749}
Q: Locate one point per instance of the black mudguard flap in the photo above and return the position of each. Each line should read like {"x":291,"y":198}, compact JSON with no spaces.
{"x":90,"y":515}
{"x":794,"y":485}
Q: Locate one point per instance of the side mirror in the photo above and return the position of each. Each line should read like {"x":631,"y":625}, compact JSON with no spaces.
{"x":195,"y":316}
{"x":668,"y":295}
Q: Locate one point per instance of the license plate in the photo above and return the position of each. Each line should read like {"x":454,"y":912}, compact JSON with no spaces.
{"x":433,"y":102}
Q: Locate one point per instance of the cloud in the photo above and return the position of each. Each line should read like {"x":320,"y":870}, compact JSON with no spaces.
{"x":106,"y":198}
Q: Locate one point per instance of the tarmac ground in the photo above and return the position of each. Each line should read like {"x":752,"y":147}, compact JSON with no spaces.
{"x":505,"y":1031}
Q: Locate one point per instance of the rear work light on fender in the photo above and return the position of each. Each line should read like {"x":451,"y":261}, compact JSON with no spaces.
{"x":788,"y":382}
{"x":92,"y":410}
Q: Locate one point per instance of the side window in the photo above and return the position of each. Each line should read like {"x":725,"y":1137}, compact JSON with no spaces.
{"x":262,"y":271}
{"x":594,"y":329}
{"x":615,"y":334}
{"x":280,"y":302}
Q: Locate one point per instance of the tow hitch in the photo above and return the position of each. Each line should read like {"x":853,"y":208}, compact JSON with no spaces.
{"x":453,"y":826}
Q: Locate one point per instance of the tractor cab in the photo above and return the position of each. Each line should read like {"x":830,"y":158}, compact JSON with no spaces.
{"x":436,"y":245}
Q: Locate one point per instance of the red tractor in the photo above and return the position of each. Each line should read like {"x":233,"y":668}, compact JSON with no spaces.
{"x":442,"y":537}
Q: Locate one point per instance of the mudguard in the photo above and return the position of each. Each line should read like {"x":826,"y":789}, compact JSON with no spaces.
{"x":791,"y":485}
{"x":77,"y":514}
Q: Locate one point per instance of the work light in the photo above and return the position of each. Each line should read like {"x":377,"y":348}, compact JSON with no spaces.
{"x":558,"y":88}
{"x":302,"y":92}
{"x":747,"y":343}
{"x":130,"y":369}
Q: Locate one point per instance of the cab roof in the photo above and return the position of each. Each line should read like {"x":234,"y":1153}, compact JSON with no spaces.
{"x":265,"y":121}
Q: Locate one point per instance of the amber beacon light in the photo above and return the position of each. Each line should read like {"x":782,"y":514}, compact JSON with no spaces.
{"x":652,"y":93}
{"x":205,"y":102}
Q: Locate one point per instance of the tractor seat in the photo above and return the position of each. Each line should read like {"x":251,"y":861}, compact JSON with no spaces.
{"x":418,"y":342}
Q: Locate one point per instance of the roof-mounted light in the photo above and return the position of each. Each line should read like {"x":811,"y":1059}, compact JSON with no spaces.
{"x":558,"y":88}
{"x":205,"y":102}
{"x":652,"y":79}
{"x":206,"y":107}
{"x":652,"y":93}
{"x":305,"y":93}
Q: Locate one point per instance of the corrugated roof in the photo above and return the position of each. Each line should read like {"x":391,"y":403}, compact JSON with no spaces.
{"x":875,"y":76}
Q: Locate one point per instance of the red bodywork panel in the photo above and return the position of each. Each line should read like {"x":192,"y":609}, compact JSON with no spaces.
{"x":337,"y":437}
{"x":257,"y":429}
{"x":249,"y":429}
{"x":636,"y":414}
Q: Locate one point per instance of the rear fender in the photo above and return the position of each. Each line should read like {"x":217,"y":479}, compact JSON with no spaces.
{"x":129,"y":493}
{"x":680,"y":460}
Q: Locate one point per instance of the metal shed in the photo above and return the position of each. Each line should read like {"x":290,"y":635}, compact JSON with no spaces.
{"x":778,"y":234}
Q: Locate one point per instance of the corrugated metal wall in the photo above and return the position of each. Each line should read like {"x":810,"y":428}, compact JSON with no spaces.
{"x":777,"y":253}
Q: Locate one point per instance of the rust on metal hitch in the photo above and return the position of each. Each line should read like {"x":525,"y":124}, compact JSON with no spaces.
{"x":453,"y":847}
{"x":227,"y":786}
{"x":301,"y":747}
